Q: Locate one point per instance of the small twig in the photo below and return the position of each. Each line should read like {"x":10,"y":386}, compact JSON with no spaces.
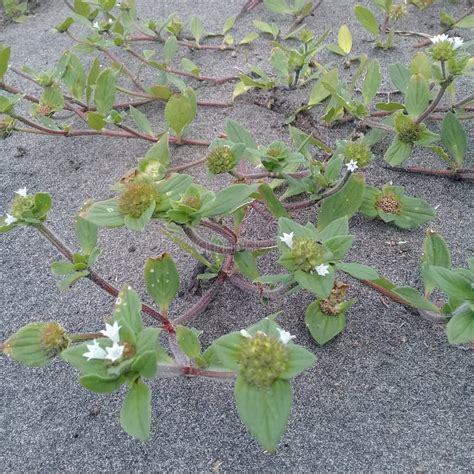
{"x":433,"y":104}
{"x":466,"y":174}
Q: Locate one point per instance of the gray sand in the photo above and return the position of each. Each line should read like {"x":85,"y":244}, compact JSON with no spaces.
{"x":389,"y":394}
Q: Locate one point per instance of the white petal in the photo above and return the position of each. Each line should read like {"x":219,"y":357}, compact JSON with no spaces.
{"x":439,"y":38}
{"x":10,"y":219}
{"x":322,"y":269}
{"x":114,"y":352}
{"x":22,"y":192}
{"x":245,"y":333}
{"x":351,"y":166}
{"x":112,"y":332}
{"x":285,"y":336}
{"x":287,"y":239}
{"x":95,"y":351}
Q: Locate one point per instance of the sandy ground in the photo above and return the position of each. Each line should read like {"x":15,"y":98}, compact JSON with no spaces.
{"x":389,"y":394}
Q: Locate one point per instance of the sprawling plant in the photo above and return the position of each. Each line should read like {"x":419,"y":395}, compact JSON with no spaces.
{"x":273,"y":179}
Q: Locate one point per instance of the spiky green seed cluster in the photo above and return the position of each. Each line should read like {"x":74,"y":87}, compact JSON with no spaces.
{"x":388,"y":203}
{"x":277,"y":150}
{"x":397,"y":12}
{"x":408,"y":130}
{"x":306,"y":254}
{"x":137,"y":198}
{"x":53,"y":338}
{"x":442,"y":51}
{"x":262,"y":359}
{"x":360,"y":153}
{"x":22,"y":204}
{"x":220,"y":160}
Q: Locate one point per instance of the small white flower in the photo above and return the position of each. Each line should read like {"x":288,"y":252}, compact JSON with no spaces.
{"x":287,"y":239}
{"x":245,"y":333}
{"x":114,"y":352}
{"x":112,"y":332}
{"x":285,"y":336}
{"x":457,"y":42}
{"x":110,"y":21}
{"x":22,"y":192}
{"x":351,"y":166}
{"x":95,"y":351}
{"x":95,"y":25}
{"x":322,"y":269}
{"x":10,"y":219}
{"x":439,"y":38}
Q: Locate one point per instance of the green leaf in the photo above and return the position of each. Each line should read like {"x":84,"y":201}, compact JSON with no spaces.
{"x":162,"y":280}
{"x":371,"y":82}
{"x":367,"y":19}
{"x":267,"y":28}
{"x":170,"y":48}
{"x":400,"y":76}
{"x":62,"y":268}
{"x":96,"y":120}
{"x":229,"y":200}
{"x":435,"y":252}
{"x":105,"y":90}
{"x":135,"y":415}
{"x":75,"y":356}
{"x":278,"y":6}
{"x":141,"y":121}
{"x":421,"y":64}
{"x":323,"y":327}
{"x":319,"y":285}
{"x":454,"y":137}
{"x":246,"y":263}
{"x":86,"y":233}
{"x":139,"y":223}
{"x":299,"y":359}
{"x":101,"y":384}
{"x":190,"y":67}
{"x":180,"y":111}
{"x":389,"y":106}
{"x":65,"y":25}
{"x":196,"y":27}
{"x":238,"y":134}
{"x":227,"y":350}
{"x":5,"y":52}
{"x":188,"y":340}
{"x":128,"y":308}
{"x":454,"y":285}
{"x":344,"y":39}
{"x":418,"y":95}
{"x":229,"y":24}
{"x":345,"y":202}
{"x":273,"y":203}
{"x":104,"y":214}
{"x":319,"y":92}
{"x":466,"y":22}
{"x":70,"y":279}
{"x":359,"y":271}
{"x":336,"y":228}
{"x":460,"y":328}
{"x":249,"y":37}
{"x":264,"y":411}
{"x":146,"y":364}
{"x":414,"y":298}
{"x":397,"y":152}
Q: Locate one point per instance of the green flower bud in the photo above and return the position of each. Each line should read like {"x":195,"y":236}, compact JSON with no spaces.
{"x":262,"y":359}
{"x":388,"y":203}
{"x":307,"y":254}
{"x":36,"y":343}
{"x":220,"y":160}
{"x":359,"y":152}
{"x":443,"y":50}
{"x":408,"y":131}
{"x":137,"y":198}
{"x":22,"y":204}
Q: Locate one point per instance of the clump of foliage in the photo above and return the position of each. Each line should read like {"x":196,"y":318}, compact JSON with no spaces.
{"x":273,"y":179}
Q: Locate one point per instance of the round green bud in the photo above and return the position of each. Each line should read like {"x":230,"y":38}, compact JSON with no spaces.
{"x":137,"y":198}
{"x":407,"y":129}
{"x":22,"y":204}
{"x":306,"y":254}
{"x":388,"y":203}
{"x":220,"y":160}
{"x":442,"y":51}
{"x":397,"y":12}
{"x":359,"y":152}
{"x":263,"y":359}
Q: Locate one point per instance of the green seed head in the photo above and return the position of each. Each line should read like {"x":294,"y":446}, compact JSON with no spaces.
{"x":137,"y":198}
{"x":53,"y":338}
{"x":389,"y":203}
{"x":262,"y":359}
{"x":360,"y":153}
{"x":306,"y":254}
{"x":397,"y":12}
{"x":408,"y":131}
{"x":220,"y":160}
{"x":442,"y":51}
{"x":22,"y":204}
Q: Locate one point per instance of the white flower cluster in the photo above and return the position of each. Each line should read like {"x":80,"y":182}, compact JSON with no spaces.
{"x":456,"y":41}
{"x":23,"y":192}
{"x":285,"y":336}
{"x":110,"y":353}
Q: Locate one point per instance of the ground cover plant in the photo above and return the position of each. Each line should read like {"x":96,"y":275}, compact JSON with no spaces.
{"x":273,"y":179}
